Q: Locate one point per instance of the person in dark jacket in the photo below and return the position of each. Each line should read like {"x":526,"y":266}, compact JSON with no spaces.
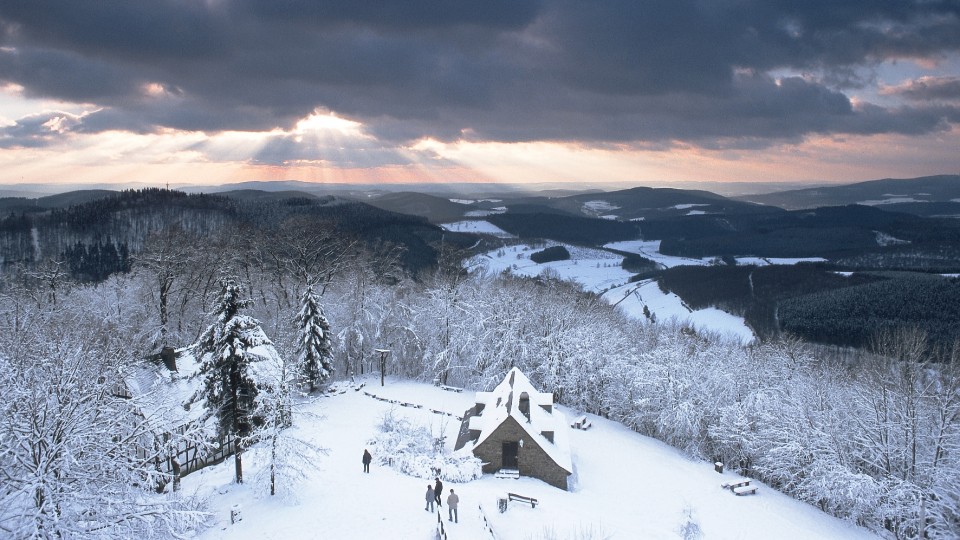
{"x":438,"y":492}
{"x":430,"y":498}
{"x":367,"y":458}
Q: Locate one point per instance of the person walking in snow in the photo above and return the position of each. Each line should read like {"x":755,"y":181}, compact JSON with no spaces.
{"x":367,"y":458}
{"x":430,"y":498}
{"x":452,"y":501}
{"x":438,"y":492}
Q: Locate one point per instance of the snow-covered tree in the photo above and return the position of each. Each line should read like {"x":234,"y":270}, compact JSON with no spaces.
{"x":72,"y":462}
{"x":315,"y":354}
{"x":289,"y":457}
{"x":227,"y":367}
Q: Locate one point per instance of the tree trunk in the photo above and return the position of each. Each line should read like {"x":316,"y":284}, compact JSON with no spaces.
{"x":238,"y":460}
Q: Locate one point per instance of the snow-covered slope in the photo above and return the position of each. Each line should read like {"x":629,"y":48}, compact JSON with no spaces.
{"x":600,"y":271}
{"x":625,"y":486}
{"x":632,"y":298}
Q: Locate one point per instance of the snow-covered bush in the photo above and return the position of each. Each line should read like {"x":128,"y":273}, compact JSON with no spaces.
{"x":411,"y":449}
{"x":690,"y":526}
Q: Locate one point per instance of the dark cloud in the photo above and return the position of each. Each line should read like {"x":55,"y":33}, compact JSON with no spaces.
{"x":928,"y":89}
{"x":511,"y":70}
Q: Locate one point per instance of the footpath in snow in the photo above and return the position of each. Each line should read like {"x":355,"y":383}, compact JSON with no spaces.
{"x":625,"y":486}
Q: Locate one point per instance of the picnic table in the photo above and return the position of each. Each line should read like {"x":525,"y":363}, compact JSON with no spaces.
{"x":739,"y":486}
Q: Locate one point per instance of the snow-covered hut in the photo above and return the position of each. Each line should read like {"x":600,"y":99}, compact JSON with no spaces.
{"x":515,"y":427}
{"x":164,"y":390}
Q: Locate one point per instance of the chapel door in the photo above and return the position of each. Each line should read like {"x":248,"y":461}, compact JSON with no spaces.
{"x":510,"y":452}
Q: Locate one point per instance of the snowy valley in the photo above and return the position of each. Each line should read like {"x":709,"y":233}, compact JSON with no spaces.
{"x":265,"y":326}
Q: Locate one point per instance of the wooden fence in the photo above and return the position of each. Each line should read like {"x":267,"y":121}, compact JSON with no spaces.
{"x":191,"y":457}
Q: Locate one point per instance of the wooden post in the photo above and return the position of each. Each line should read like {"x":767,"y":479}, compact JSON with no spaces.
{"x":383,"y":362}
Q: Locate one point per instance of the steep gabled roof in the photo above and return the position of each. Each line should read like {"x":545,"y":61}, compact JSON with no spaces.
{"x":503,"y":403}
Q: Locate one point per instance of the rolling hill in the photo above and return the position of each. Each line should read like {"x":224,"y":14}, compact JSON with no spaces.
{"x":941,"y":188}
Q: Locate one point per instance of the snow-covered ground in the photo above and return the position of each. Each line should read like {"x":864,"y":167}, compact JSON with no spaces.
{"x":484,"y":213}
{"x":478,"y":227}
{"x":768,"y":261}
{"x":594,"y":269}
{"x":651,"y":250}
{"x":600,"y":271}
{"x":624,"y":486}
{"x":891,"y":199}
{"x":598,"y":207}
{"x":632,"y":298}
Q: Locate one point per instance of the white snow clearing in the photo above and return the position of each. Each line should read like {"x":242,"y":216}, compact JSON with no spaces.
{"x":667,"y":307}
{"x":624,"y":486}
{"x":884,"y":239}
{"x":600,"y":271}
{"x":484,"y":213}
{"x":594,"y":269}
{"x":770,"y":261}
{"x":478,"y":227}
{"x":598,"y":207}
{"x":651,"y":250}
{"x":890,"y":200}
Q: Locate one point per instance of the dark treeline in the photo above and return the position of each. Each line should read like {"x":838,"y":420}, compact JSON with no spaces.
{"x":821,"y":305}
{"x":96,"y":262}
{"x":128,"y":218}
{"x":851,"y":316}
{"x":860,"y":235}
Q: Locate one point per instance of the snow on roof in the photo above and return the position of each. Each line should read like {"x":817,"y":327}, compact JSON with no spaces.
{"x":162,"y":395}
{"x":503,"y":402}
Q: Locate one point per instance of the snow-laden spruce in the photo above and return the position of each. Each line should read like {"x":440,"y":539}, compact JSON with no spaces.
{"x":315,"y":354}
{"x":231,"y":353}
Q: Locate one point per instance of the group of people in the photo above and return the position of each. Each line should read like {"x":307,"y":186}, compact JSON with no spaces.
{"x":435,"y":492}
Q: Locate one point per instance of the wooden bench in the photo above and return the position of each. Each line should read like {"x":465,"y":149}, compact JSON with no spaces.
{"x":739,"y":486}
{"x":581,"y":422}
{"x":507,"y":473}
{"x":522,"y":498}
{"x":451,"y":388}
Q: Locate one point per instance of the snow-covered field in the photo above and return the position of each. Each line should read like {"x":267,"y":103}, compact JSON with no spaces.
{"x":594,"y":269}
{"x":600,"y":271}
{"x":651,"y":250}
{"x":477,"y":227}
{"x":768,"y":261}
{"x":624,"y":486}
{"x":632,"y":298}
{"x":891,"y":199}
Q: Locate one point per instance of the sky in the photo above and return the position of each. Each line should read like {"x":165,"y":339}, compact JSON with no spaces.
{"x":442,"y":91}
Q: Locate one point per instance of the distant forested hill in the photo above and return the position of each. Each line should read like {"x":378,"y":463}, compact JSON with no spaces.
{"x":857,"y":235}
{"x":941,"y":188}
{"x":818,"y":304}
{"x":112,"y":227}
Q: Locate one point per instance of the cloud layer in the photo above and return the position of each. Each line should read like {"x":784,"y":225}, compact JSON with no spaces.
{"x":714,"y":74}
